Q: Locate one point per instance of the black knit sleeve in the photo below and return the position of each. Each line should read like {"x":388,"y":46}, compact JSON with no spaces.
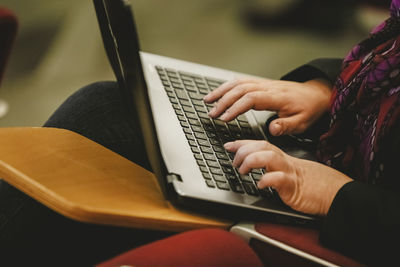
{"x":364,"y":223}
{"x":328,"y":68}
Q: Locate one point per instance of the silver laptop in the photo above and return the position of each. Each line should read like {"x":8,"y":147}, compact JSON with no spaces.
{"x":183,"y":144}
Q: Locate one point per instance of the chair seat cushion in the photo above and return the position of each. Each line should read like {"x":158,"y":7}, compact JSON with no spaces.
{"x":207,"y":247}
{"x":303,"y":239}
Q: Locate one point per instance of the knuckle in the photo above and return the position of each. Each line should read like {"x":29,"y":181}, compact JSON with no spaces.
{"x":251,"y":96}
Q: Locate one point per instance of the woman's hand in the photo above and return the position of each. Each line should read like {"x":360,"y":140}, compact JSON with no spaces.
{"x":304,"y":185}
{"x":298,"y":105}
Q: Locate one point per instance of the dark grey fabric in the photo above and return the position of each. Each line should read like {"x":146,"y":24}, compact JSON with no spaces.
{"x":32,"y":234}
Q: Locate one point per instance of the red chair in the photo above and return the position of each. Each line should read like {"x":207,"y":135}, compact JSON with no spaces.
{"x":207,"y":247}
{"x":8,"y":31}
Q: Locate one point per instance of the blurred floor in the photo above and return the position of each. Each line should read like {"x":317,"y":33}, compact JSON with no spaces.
{"x":58,"y":48}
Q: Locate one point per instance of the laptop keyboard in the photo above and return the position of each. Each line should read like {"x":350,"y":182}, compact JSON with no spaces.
{"x":206,"y":136}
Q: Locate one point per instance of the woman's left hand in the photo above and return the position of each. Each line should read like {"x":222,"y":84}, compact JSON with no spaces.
{"x":304,"y":185}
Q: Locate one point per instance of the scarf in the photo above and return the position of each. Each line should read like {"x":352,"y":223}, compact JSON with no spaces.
{"x":365,"y":104}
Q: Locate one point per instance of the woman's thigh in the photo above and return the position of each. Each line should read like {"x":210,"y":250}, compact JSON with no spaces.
{"x":99,"y":113}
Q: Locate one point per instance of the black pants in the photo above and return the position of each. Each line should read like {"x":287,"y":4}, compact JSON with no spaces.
{"x":32,"y":234}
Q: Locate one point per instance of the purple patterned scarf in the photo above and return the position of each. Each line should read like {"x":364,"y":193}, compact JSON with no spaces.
{"x":365,"y":104}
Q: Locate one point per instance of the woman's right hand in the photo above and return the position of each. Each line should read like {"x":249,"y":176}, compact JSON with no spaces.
{"x":298,"y":105}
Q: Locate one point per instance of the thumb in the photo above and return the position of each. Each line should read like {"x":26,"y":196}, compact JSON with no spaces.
{"x":286,"y":125}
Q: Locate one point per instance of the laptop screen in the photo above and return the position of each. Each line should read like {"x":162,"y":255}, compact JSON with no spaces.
{"x":121,"y":43}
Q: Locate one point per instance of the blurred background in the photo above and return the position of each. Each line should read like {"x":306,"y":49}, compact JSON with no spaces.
{"x":58,"y":47}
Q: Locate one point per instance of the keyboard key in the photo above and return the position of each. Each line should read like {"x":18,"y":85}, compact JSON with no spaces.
{"x":250,"y":189}
{"x":204,"y":169}
{"x":219,"y":149}
{"x":257,"y":171}
{"x":244,"y":124}
{"x":206,"y":150}
{"x":198,"y":103}
{"x":185,"y":103}
{"x":201,"y":162}
{"x":232,"y":177}
{"x":236,"y":186}
{"x":204,"y":143}
{"x":201,"y":109}
{"x":215,"y":141}
{"x":228,"y":169}
{"x":184,"y":124}
{"x":207,"y":176}
{"x":194,"y":122}
{"x":256,"y":176}
{"x":246,"y":178}
{"x":174,"y":78}
{"x":206,"y":121}
{"x":212,"y":163}
{"x":193,"y":143}
{"x":181,"y":94}
{"x":209,"y":156}
{"x":195,"y":149}
{"x":219,"y":178}
{"x":197,"y":129}
{"x":191,"y":115}
{"x":242,"y":118}
{"x":222,"y":156}
{"x":179,"y":112}
{"x":196,"y":96}
{"x":190,"y":88}
{"x":223,"y":186}
{"x":188,"y":109}
{"x":168,"y":89}
{"x":216,"y":171}
{"x":210,"y":183}
{"x":225,"y":163}
{"x":203,"y":91}
{"x":203,"y":115}
{"x":200,"y":135}
{"x":190,"y":137}
{"x":187,"y":81}
{"x":173,"y":100}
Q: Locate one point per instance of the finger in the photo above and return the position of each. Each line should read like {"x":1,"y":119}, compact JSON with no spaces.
{"x":274,"y":179}
{"x":231,"y":97}
{"x":247,"y":148}
{"x":235,"y":145}
{"x":262,"y":144}
{"x":269,"y":159}
{"x":258,"y":100}
{"x":220,"y":91}
{"x":287,"y":125}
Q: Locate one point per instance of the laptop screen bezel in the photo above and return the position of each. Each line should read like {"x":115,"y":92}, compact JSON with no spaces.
{"x":120,"y":39}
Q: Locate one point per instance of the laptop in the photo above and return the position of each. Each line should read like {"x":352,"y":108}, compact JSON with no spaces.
{"x":184,"y":145}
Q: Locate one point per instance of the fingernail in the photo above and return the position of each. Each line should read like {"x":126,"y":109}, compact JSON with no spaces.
{"x":228,"y":145}
{"x":212,"y":112}
{"x":205,"y":98}
{"x":224,"y":116}
{"x":276,"y":129}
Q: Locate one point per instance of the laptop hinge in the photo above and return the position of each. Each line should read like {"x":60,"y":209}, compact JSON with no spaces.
{"x":173,"y":177}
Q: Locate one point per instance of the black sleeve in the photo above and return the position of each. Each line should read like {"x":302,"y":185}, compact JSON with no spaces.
{"x":364,"y":223}
{"x":328,"y":68}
